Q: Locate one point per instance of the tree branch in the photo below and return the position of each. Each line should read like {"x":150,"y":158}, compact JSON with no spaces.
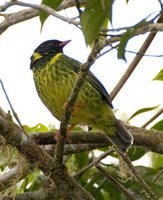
{"x":48,"y":10}
{"x":115,"y":182}
{"x":135,"y":61}
{"x":14,"y":136}
{"x":96,"y":160}
{"x":14,"y":175}
{"x":148,"y":191}
{"x":42,"y":194}
{"x":71,"y":100}
{"x":17,"y":17}
{"x":152,"y":140}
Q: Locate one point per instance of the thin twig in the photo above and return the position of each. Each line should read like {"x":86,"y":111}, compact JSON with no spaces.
{"x":64,"y":183}
{"x":15,"y":174}
{"x":161,"y":4}
{"x":153,"y":118}
{"x":132,"y":66}
{"x":65,"y":4}
{"x":100,"y":186}
{"x":139,"y":179}
{"x":78,"y":7}
{"x":107,"y":51}
{"x":10,"y":104}
{"x":151,"y":195}
{"x":42,"y":7}
{"x":96,"y":160}
{"x":6,"y":6}
{"x":71,"y":101}
{"x":17,"y":17}
{"x":134,"y":63}
{"x":158,"y":176}
{"x":145,"y":55}
{"x":26,"y":14}
{"x":115,"y":182}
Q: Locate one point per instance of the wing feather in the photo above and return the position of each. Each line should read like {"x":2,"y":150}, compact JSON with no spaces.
{"x":93,"y":80}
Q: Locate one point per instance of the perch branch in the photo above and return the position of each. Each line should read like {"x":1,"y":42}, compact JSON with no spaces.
{"x":152,"y":140}
{"x":71,"y":100}
{"x":135,"y":61}
{"x":96,"y":160}
{"x":34,"y":154}
{"x":115,"y":182}
{"x":14,"y":175}
{"x":42,"y":194}
{"x":148,"y":191}
{"x":153,"y":118}
{"x":23,"y":15}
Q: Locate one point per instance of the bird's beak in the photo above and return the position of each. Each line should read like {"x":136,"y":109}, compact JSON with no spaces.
{"x":64,"y":43}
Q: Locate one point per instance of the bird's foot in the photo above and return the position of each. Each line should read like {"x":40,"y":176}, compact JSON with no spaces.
{"x":78,"y":105}
{"x":65,"y":105}
{"x":57,"y":136}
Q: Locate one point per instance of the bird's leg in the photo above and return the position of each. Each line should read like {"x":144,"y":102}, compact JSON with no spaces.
{"x":76,"y":106}
{"x":65,"y":105}
{"x":58,"y":134}
{"x":69,"y":129}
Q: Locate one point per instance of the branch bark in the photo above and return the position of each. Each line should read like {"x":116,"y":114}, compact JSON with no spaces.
{"x":42,"y":194}
{"x":20,"y":16}
{"x":115,"y":182}
{"x":152,"y":140}
{"x":14,"y":136}
{"x":14,"y":175}
{"x":17,"y":17}
{"x":136,"y":59}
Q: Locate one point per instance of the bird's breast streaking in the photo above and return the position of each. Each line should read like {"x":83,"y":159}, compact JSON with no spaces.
{"x":55,"y":75}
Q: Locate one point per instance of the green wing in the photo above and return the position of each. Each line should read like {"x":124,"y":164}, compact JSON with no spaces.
{"x":98,"y":85}
{"x":92,"y":79}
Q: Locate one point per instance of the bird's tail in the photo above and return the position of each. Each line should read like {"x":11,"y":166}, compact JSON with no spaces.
{"x":122,"y":139}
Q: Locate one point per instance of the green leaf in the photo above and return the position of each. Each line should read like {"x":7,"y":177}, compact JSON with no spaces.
{"x":159,"y":76}
{"x":82,"y":159}
{"x":95,"y":16}
{"x":32,"y":182}
{"x":53,"y":4}
{"x":157,"y":160}
{"x":158,"y":126}
{"x":135,"y":153}
{"x":126,"y":36}
{"x":38,"y":128}
{"x":148,"y":174}
{"x":123,"y":43}
{"x":142,"y":110}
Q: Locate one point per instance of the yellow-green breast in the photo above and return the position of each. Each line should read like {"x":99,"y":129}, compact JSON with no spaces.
{"x":54,"y":83}
{"x":55,"y":75}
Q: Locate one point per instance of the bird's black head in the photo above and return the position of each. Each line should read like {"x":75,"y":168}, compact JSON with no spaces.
{"x":47,"y":47}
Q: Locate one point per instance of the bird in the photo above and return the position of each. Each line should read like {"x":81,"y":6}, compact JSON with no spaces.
{"x":55,"y":74}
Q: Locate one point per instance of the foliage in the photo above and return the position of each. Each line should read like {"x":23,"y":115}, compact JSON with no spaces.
{"x":94,"y":182}
{"x":53,"y":4}
{"x":142,"y":110}
{"x":90,"y":23}
{"x":159,"y":76}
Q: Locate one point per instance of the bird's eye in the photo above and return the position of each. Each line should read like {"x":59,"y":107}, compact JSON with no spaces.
{"x":45,"y":53}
